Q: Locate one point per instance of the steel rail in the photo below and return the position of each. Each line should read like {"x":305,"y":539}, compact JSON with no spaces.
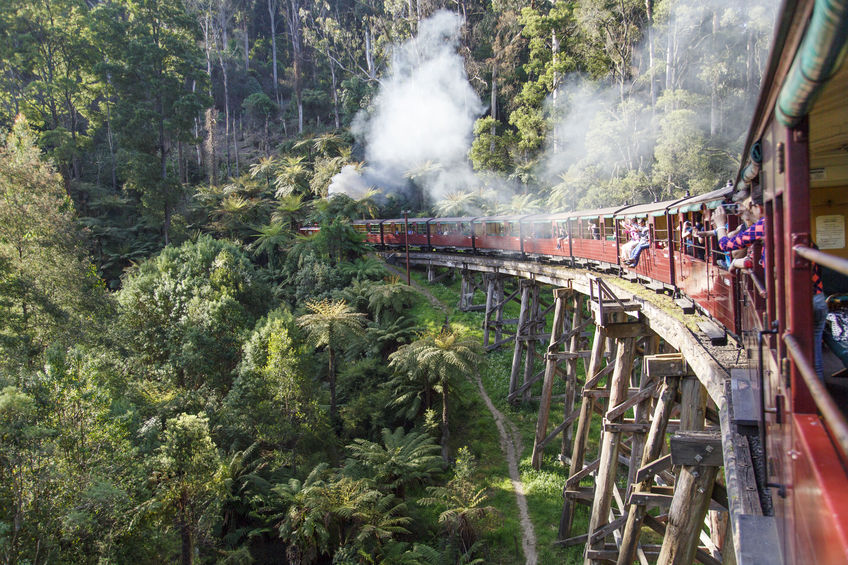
{"x":833,"y":417}
{"x":838,"y":264}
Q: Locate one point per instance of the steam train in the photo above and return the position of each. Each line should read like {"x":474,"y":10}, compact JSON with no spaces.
{"x":797,"y":158}
{"x":682,"y":263}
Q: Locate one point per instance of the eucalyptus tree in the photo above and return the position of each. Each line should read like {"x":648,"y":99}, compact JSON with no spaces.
{"x":49,"y":291}
{"x":153,"y":62}
{"x":333,"y":325}
{"x":188,"y":478}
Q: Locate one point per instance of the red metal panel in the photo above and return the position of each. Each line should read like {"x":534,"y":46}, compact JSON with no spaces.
{"x":655,"y":263}
{"x":499,"y":243}
{"x":595,"y":249}
{"x":821,"y":496}
{"x":456,"y":240}
{"x":796,"y":208}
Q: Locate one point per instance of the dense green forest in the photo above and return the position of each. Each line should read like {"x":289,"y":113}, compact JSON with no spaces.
{"x":184,"y":377}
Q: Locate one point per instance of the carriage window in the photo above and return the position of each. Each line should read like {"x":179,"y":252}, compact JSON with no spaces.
{"x":542,"y":230}
{"x":421,"y":228}
{"x":373,"y":228}
{"x":359,"y":228}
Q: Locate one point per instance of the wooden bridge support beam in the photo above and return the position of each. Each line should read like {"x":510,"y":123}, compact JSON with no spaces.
{"x":494,"y":308}
{"x":581,"y":435}
{"x":610,"y":443}
{"x":693,"y":489}
{"x":654,"y":443}
{"x":571,"y":373}
{"x":561,"y":296}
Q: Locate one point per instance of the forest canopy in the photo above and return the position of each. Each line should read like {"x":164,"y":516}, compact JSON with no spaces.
{"x":184,"y":375}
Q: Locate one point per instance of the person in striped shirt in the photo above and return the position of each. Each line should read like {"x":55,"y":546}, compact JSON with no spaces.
{"x":753,"y":208}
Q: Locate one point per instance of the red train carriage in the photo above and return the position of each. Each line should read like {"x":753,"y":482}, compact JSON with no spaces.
{"x":499,"y":234}
{"x":655,"y":262}
{"x":801,"y":124}
{"x":593,"y":235}
{"x":700,"y":266}
{"x":398,"y":232}
{"x":546,"y":235}
{"x":451,"y":233}
{"x":371,"y":229}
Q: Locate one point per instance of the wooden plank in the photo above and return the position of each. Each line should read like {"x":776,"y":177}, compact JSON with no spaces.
{"x":575,"y":479}
{"x":635,"y":399}
{"x":603,"y":393}
{"x":713,"y":331}
{"x":656,"y":286}
{"x":666,"y":365}
{"x":568,"y":421}
{"x":601,"y":533}
{"x":621,"y":330}
{"x":655,"y":467}
{"x":745,"y":397}
{"x":626,"y":427}
{"x":525,"y":386}
{"x":686,"y":305}
{"x":750,"y":499}
{"x":580,"y":493}
{"x":598,"y":376}
{"x":696,"y":448}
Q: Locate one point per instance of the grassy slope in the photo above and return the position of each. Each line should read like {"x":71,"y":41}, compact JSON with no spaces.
{"x":476,"y":429}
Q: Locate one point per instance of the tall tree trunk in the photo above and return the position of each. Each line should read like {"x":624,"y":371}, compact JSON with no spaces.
{"x":331,"y":377}
{"x":493,"y":102}
{"x":338,"y":121}
{"x":211,"y":162}
{"x":246,"y":44}
{"x":293,"y":20}
{"x":649,"y":11}
{"x":445,"y":429}
{"x":369,"y":55}
{"x":187,"y":545}
{"x":212,"y":165}
{"x":272,"y":12}
{"x":109,"y":136}
{"x":235,"y":147}
{"x":181,"y":163}
{"x":714,"y":109}
{"x":226,"y":107}
{"x":555,"y":86}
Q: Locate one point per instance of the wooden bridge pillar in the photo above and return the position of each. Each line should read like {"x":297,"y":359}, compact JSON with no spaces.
{"x":669,"y":368}
{"x":694,"y":486}
{"x":581,"y":436}
{"x":609,"y":445}
{"x":561,"y":296}
{"x":529,"y":331}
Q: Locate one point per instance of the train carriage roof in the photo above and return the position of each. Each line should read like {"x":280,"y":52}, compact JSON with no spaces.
{"x":711,"y":199}
{"x":502,"y":218}
{"x":650,"y":209}
{"x":609,"y":212}
{"x":452,"y":219}
{"x":410,"y":220}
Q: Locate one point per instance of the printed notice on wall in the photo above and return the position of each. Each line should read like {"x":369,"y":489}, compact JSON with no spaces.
{"x":830,"y":231}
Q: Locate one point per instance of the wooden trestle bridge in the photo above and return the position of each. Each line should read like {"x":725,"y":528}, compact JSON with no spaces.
{"x":649,"y":377}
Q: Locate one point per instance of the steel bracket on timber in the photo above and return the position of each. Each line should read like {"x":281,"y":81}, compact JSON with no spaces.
{"x":642,"y":365}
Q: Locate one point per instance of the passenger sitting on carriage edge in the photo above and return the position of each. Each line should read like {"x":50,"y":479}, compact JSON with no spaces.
{"x":632,"y":230}
{"x":753,"y":208}
{"x":644,"y":243}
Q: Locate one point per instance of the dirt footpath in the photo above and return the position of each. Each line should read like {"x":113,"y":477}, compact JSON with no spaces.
{"x":510,"y":445}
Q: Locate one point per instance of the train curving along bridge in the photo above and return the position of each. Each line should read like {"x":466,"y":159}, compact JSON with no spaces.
{"x":654,"y":369}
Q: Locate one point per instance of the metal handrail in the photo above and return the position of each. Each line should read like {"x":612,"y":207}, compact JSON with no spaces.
{"x":838,"y":264}
{"x":833,"y":417}
{"x":761,"y":289}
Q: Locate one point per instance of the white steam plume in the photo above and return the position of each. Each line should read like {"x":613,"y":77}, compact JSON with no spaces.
{"x":422,"y":120}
